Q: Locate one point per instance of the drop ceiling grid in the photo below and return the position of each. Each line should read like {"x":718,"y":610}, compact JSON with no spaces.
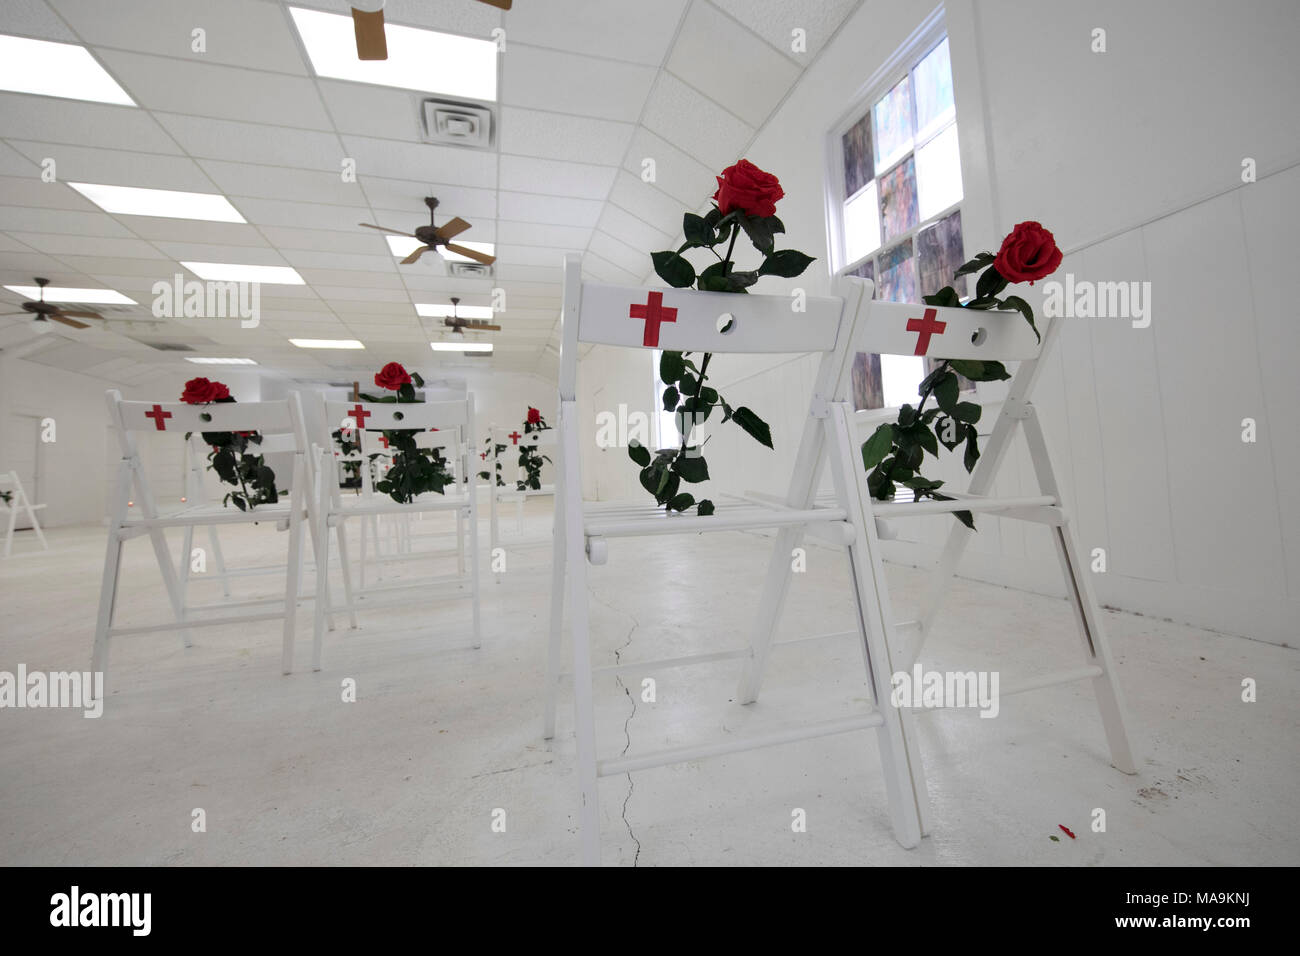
{"x":526,"y":159}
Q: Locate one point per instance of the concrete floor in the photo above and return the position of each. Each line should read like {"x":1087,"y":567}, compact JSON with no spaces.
{"x":442,"y":737}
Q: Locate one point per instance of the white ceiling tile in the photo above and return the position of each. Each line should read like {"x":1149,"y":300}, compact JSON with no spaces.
{"x":422,"y":161}
{"x":560,"y":136}
{"x":208,"y":89}
{"x":510,"y":273}
{"x":306,"y":259}
{"x":205,"y":252}
{"x":555,"y":210}
{"x":647,"y":203}
{"x":556,"y":178}
{"x":635,"y":232}
{"x":57,"y":245}
{"x":250,"y":33}
{"x":305,"y":215}
{"x":84,"y":164}
{"x":192,"y":230}
{"x":275,"y":182}
{"x":775,"y":21}
{"x":357,"y":241}
{"x":569,"y":83}
{"x":537,"y":234}
{"x":679,"y":174}
{"x":253,"y":143}
{"x":532,"y":255}
{"x":626,"y":30}
{"x":620,"y":253}
{"x":689,"y":119}
{"x":86,"y":124}
{"x":31,"y":219}
{"x":13,"y":163}
{"x":377,"y":111}
{"x":744,"y":74}
{"x":605,"y":271}
{"x":34,"y":18}
{"x":30,"y":191}
{"x":111,"y":265}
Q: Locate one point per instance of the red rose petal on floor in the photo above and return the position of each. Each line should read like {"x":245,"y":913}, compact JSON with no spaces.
{"x":1066,"y":831}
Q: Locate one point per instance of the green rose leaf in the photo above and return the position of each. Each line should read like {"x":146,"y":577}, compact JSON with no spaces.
{"x":688,"y":384}
{"x":972,"y":450}
{"x":756,"y":427}
{"x":1023,"y":307}
{"x":681,"y":502}
{"x":762,"y":232}
{"x":950,"y":426}
{"x":975,"y":265}
{"x":787,"y":263}
{"x":638,"y":453}
{"x":978,"y":371}
{"x":946,"y":390}
{"x":704,"y":508}
{"x":670,"y":398}
{"x":697,"y":230}
{"x":967,"y":412}
{"x":673,"y":269}
{"x":947,"y":296}
{"x":692,"y":468}
{"x":990,"y":283}
{"x":417,"y":379}
{"x":671,"y":367}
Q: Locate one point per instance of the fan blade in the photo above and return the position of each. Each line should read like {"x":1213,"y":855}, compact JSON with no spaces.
{"x":415,"y":255}
{"x":66,"y":321}
{"x":451,"y":228}
{"x":460,"y":325}
{"x":483,"y":328}
{"x":79,"y":315}
{"x":499,"y":4}
{"x":474,"y":254}
{"x":396,"y":232}
{"x":369,"y":28}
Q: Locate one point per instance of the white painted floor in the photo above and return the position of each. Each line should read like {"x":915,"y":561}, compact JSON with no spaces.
{"x":441,"y":736}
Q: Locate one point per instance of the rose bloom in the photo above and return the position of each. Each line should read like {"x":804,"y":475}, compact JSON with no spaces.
{"x":751,"y":190}
{"x":392,"y":377}
{"x":200,"y":391}
{"x":1028,"y":253}
{"x":534,"y":416}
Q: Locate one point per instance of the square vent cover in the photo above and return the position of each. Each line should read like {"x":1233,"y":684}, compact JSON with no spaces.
{"x":469,"y":270}
{"x":457,"y":124}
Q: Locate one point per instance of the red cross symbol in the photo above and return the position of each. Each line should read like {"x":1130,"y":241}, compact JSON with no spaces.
{"x":359,"y":415}
{"x":158,"y":415}
{"x":514,"y":437}
{"x":653,"y":312}
{"x":483,"y":455}
{"x":925,"y":328}
{"x":383,"y":440}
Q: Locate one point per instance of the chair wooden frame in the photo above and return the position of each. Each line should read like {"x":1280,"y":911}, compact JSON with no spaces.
{"x":19,"y":503}
{"x":513,"y":439}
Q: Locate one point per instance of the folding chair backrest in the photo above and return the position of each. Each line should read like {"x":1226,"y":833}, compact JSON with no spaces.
{"x":388,"y":416}
{"x":9,"y":480}
{"x":513,"y":437}
{"x":902,"y":328}
{"x":267,"y":418}
{"x":689,"y":321}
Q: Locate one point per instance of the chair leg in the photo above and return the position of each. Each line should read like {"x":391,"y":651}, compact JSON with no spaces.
{"x":220,"y":559}
{"x":474,"y":575}
{"x":293,"y":569}
{"x":187,"y":558}
{"x":555,"y":637}
{"x":107,"y":603}
{"x":775,"y":588}
{"x":13,"y":521}
{"x":347,"y":573}
{"x":322,"y":602}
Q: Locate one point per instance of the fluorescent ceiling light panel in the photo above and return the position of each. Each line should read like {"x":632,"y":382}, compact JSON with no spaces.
{"x":327,"y":343}
{"x":56,"y":69}
{"x":220,"y":361}
{"x":461,"y":346}
{"x":437,"y":311}
{"x":403,"y":246}
{"x":417,"y":59}
{"x":235,"y":272}
{"x":167,"y":203}
{"x":54,"y":293}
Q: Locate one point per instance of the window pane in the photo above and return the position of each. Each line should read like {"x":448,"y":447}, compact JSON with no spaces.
{"x":858,"y":158}
{"x":900,"y":377}
{"x":938,"y":173}
{"x":868,"y":392}
{"x":861,"y":225}
{"x":932,"y":83}
{"x":893,"y":125}
{"x":898,"y":209}
{"x":939,"y":249}
{"x":897,"y":281}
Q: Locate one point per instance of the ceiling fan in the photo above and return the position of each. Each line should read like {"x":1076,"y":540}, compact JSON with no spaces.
{"x":434,"y":236}
{"x":368,"y":24}
{"x":46,"y":311}
{"x":459,"y":325}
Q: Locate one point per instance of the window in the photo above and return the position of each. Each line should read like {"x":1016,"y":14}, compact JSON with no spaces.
{"x":900,"y":209}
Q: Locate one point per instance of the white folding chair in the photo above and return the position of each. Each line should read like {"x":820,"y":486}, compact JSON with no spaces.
{"x":690,"y":321}
{"x":282,"y":417}
{"x":367,"y":420}
{"x":950,"y":333}
{"x":513,"y":441}
{"x":19,"y":502}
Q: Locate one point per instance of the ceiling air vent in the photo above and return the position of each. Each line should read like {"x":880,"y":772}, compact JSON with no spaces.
{"x":457,"y":124}
{"x":469,"y":270}
{"x":167,"y":346}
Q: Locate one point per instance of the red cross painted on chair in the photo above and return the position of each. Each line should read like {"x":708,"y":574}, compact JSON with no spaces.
{"x":514,"y":437}
{"x":158,"y":415}
{"x":654,"y":313}
{"x":924,"y":328}
{"x":383,"y":440}
{"x":359,"y":415}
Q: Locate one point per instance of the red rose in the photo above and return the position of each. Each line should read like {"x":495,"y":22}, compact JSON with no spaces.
{"x":1027,"y":254}
{"x":534,"y":416}
{"x":199,"y":391}
{"x":746,"y":187}
{"x":392,"y":377}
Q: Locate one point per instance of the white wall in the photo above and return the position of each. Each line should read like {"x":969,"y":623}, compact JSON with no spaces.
{"x":1121,"y":154}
